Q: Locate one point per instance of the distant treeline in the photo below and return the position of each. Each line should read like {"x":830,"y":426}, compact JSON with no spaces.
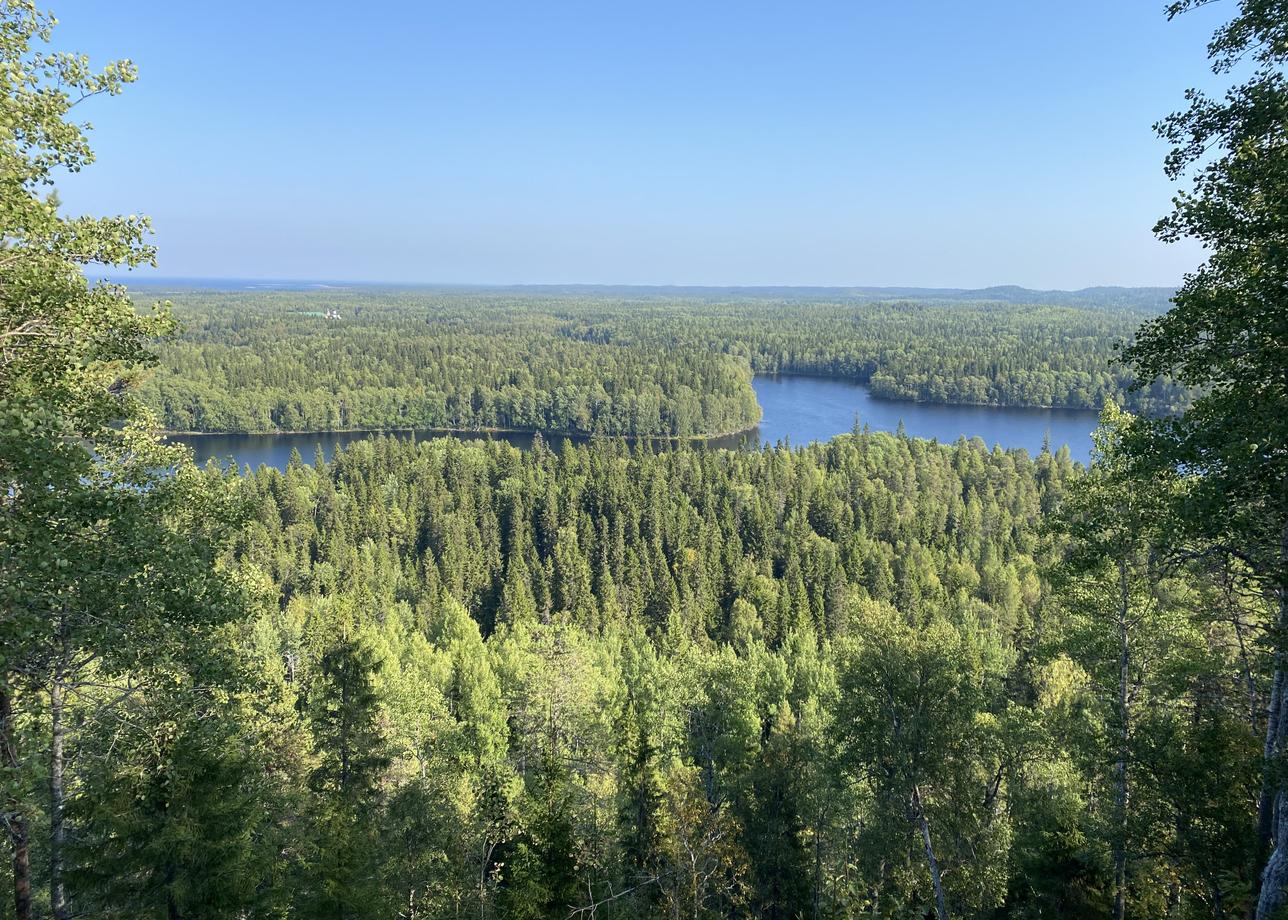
{"x":985,"y":353}
{"x":276,"y":360}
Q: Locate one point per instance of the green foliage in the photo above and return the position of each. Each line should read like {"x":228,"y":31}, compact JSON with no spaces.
{"x":1226,"y":335}
{"x":877,"y":676}
{"x":724,"y":683}
{"x":406,"y":360}
{"x":601,"y":365}
{"x":652,"y":758}
{"x":915,"y":729}
{"x":1142,"y":640}
{"x":107,"y":538}
{"x":176,"y":823}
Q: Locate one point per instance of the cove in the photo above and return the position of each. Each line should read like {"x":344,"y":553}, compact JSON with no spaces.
{"x":797,"y":410}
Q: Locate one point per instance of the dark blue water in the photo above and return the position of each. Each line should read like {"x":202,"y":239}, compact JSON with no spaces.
{"x":797,"y":409}
{"x":275,"y":449}
{"x":803,"y":409}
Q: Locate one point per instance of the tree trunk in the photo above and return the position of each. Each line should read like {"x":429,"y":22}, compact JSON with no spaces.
{"x":817,"y":905}
{"x":172,"y":911}
{"x":1275,"y":877}
{"x":489,"y":847}
{"x":941,"y":907}
{"x":875,"y":890}
{"x":15,"y":818}
{"x":1120,"y":766}
{"x":57,"y":799}
{"x":1266,"y":801}
{"x":1245,"y":661}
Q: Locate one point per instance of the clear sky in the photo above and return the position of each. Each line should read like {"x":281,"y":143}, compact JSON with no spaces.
{"x":935,"y":143}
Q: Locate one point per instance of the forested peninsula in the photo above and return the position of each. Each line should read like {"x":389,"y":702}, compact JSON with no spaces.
{"x":600,"y":364}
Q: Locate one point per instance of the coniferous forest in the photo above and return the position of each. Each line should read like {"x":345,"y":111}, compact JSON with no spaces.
{"x":595,"y":364}
{"x":872,"y":677}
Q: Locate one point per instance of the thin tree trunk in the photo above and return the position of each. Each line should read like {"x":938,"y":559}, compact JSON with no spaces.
{"x":1275,"y":877}
{"x":1120,"y":766}
{"x":57,"y":796}
{"x":818,"y":864}
{"x":941,"y":907}
{"x":875,"y":890}
{"x":1245,"y":662}
{"x":483,"y":884}
{"x":172,"y":911}
{"x":1266,"y":800}
{"x":15,"y":818}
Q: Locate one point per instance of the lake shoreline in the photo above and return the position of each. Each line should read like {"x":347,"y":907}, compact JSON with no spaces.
{"x":867,"y":385}
{"x":563,"y":433}
{"x":446,"y":432}
{"x":795,"y":409}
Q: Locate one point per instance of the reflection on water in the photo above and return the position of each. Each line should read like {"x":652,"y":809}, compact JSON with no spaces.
{"x":797,"y":410}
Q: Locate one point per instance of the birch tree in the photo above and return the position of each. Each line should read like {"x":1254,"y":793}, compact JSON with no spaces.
{"x":1227,"y":336}
{"x":106,"y":536}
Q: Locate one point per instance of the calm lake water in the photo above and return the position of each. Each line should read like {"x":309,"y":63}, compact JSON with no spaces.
{"x":797,"y":409}
{"x":803,"y":409}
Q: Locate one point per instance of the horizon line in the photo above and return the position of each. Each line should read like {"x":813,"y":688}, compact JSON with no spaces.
{"x":132,"y":277}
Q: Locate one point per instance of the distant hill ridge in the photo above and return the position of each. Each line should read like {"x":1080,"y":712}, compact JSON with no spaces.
{"x":1104,"y":295}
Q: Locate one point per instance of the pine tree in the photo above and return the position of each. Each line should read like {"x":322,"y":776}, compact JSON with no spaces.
{"x":641,"y":798}
{"x":172,"y":814}
{"x":343,"y":871}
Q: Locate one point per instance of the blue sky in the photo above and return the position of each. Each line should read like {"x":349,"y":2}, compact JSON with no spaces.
{"x":937,"y":143}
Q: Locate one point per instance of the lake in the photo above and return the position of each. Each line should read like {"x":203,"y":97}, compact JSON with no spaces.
{"x":797,"y":409}
{"x":804,"y":409}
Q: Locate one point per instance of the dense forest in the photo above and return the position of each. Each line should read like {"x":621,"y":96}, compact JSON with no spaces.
{"x":595,"y":364}
{"x":466,"y":679}
{"x":393,"y":360}
{"x":986,"y":353}
{"x":877,"y":676}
